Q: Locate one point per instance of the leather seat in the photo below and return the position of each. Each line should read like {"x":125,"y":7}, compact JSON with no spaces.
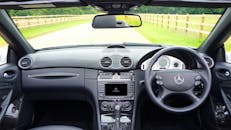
{"x":56,"y":127}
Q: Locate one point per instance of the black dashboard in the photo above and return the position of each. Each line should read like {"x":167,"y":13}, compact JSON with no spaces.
{"x":70,"y":68}
{"x":87,"y":57}
{"x":103,"y":58}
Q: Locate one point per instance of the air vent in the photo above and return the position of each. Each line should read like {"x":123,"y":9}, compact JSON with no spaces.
{"x":106,"y":61}
{"x":25,"y":62}
{"x":209,"y":61}
{"x":126,"y":62}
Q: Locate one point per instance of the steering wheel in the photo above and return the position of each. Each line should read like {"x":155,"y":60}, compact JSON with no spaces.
{"x":181,"y":82}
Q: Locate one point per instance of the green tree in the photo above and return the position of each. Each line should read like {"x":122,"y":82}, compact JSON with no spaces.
{"x":177,"y":10}
{"x":54,"y":11}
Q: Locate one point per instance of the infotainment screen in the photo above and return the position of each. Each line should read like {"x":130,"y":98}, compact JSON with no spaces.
{"x":115,"y":89}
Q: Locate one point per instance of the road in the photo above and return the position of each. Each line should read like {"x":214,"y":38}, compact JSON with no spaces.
{"x":85,"y":34}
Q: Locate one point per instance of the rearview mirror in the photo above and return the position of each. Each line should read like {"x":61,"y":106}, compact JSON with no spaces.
{"x":116,"y":21}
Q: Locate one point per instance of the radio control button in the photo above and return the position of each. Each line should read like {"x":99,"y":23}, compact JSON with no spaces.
{"x":197,"y":83}
{"x":158,"y":82}
{"x":198,"y":78}
{"x":104,"y":106}
{"x":126,"y":106}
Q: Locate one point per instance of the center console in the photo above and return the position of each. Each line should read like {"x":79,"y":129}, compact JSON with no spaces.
{"x":116,"y":98}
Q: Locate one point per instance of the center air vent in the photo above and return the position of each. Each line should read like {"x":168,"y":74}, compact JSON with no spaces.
{"x":106,"y":61}
{"x":25,"y":63}
{"x":126,"y":62}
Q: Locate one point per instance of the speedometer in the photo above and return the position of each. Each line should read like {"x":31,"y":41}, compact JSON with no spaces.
{"x":163,"y":62}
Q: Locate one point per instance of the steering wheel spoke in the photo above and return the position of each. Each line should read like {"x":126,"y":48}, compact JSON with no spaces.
{"x":164,"y":93}
{"x":153,"y":75}
{"x":203,"y":73}
{"x":192,"y":96}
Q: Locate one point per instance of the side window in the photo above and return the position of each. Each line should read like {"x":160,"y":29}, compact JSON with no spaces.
{"x":228,"y":50}
{"x":3,"y":51}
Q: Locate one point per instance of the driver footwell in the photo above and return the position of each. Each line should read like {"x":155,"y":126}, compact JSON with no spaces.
{"x":153,"y":118}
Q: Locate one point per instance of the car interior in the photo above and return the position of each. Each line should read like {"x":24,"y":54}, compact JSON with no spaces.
{"x":123,"y":86}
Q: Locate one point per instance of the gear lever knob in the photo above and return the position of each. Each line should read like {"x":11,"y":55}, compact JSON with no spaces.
{"x":117,"y":107}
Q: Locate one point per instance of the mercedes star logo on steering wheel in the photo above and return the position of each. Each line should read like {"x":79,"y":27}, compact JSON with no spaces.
{"x":179,"y":79}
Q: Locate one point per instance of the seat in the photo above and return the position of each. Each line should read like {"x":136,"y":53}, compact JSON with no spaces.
{"x":56,"y":127}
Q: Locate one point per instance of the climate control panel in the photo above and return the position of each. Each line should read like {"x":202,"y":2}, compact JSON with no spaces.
{"x":108,"y":106}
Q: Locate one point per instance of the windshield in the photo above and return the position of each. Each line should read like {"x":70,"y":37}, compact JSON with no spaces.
{"x":176,"y":26}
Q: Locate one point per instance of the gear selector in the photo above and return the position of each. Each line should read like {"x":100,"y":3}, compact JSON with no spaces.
{"x":117,"y":116}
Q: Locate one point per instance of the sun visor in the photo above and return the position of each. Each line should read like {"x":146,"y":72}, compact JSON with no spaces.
{"x":35,"y":4}
{"x":192,"y":3}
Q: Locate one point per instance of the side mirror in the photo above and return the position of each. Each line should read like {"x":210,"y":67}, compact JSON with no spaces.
{"x":116,"y":21}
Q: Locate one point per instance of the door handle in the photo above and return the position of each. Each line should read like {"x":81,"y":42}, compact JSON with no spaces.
{"x":9,"y":74}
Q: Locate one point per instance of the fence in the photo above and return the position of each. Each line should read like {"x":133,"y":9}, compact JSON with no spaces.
{"x":199,"y":24}
{"x":31,"y":21}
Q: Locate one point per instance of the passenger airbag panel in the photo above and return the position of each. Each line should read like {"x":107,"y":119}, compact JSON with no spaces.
{"x":53,"y":79}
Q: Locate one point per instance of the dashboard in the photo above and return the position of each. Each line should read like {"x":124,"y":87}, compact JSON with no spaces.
{"x":107,"y":58}
{"x":111,"y":75}
{"x":72,"y":67}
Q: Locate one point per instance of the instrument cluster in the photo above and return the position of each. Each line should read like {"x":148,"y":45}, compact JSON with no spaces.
{"x":164,"y":62}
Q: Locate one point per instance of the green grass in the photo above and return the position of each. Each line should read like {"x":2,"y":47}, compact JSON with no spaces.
{"x":228,"y":45}
{"x":208,"y":20}
{"x":130,"y":20}
{"x":162,"y":35}
{"x":2,"y":42}
{"x":43,"y":29}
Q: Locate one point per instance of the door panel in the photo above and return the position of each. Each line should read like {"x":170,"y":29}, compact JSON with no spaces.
{"x":9,"y":86}
{"x":222,"y":93}
{"x":9,"y":77}
{"x":222,"y":72}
